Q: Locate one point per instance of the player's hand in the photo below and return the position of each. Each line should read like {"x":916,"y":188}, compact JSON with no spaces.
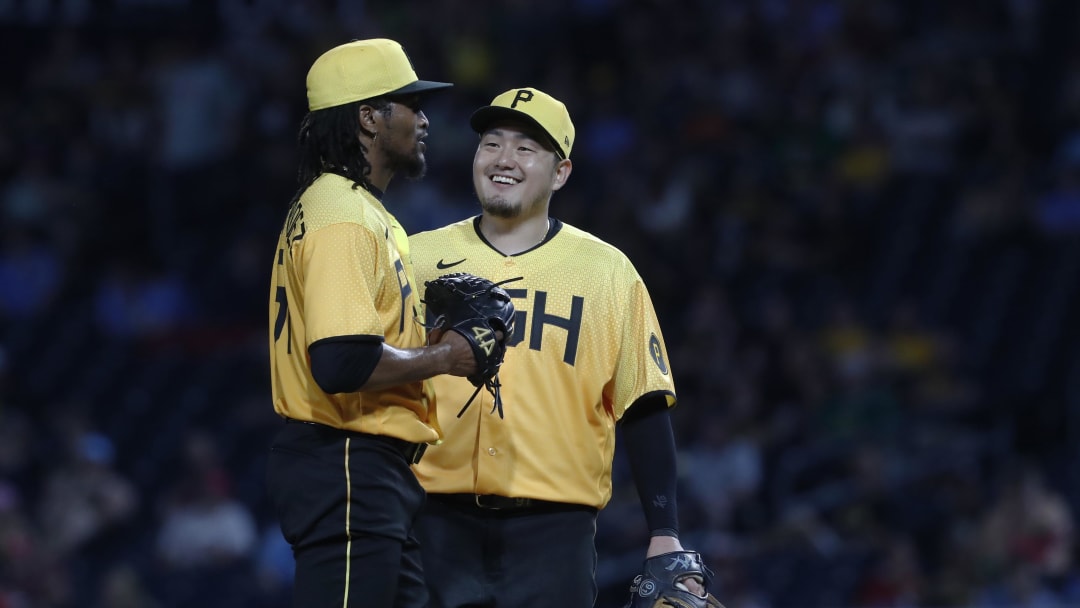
{"x":695,"y":585}
{"x":460,"y":358}
{"x":434,"y":336}
{"x":659,"y":545}
{"x":463,"y":361}
{"x":663,"y":544}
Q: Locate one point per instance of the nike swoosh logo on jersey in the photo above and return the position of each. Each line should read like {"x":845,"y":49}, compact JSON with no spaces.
{"x":443,"y":265}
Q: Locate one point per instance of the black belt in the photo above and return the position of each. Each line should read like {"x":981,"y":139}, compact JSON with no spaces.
{"x":494,"y":502}
{"x":412,"y":452}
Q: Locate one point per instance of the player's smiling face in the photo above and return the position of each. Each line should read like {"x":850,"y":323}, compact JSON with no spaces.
{"x":515,"y":171}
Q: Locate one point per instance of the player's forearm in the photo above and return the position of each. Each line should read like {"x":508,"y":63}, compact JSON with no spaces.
{"x":650,"y":448}
{"x":348,"y":365}
{"x":401,"y":366}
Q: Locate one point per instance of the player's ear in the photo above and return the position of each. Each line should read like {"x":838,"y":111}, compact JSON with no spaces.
{"x":369,"y":117}
{"x":562,"y":173}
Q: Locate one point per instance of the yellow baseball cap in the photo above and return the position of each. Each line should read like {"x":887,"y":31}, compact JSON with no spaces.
{"x":533,"y":106}
{"x":363,"y":69}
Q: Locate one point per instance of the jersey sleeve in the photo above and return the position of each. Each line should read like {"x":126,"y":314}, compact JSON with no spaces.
{"x":341,"y":277}
{"x":642,"y":366}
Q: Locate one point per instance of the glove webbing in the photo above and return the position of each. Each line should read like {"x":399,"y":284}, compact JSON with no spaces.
{"x":493,"y":385}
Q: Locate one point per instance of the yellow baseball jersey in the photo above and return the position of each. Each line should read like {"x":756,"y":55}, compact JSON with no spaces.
{"x":342,"y":271}
{"x":587,"y":345}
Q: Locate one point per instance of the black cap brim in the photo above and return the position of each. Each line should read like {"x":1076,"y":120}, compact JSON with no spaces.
{"x":421,"y":86}
{"x":482,"y":119}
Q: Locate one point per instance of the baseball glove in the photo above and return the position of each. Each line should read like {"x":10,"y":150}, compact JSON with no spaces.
{"x":660,"y":585}
{"x":482,"y":312}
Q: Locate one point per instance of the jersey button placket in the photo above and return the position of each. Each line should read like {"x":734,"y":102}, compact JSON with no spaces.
{"x":492,"y":451}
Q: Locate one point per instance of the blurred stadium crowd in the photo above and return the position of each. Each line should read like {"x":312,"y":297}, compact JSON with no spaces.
{"x":859,"y":220}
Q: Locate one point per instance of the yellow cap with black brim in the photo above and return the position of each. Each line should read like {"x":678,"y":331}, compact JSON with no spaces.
{"x":363,"y":69}
{"x":534,"y":107}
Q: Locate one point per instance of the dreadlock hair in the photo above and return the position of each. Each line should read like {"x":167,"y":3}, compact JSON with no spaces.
{"x":329,"y":142}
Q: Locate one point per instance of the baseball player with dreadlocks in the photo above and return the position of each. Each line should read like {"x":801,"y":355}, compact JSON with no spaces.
{"x":348,"y":356}
{"x":514,"y":491}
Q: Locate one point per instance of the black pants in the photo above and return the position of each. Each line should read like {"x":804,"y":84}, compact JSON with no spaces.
{"x":347,"y":503}
{"x":535,"y":557}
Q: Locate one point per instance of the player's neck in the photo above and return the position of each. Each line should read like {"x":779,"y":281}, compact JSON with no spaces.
{"x":512,"y":236}
{"x":379,"y":174}
{"x":380,"y":179}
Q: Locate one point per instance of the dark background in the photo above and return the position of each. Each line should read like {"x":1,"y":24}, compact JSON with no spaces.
{"x":859,"y":221}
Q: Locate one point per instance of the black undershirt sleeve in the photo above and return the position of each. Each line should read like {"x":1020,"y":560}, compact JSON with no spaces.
{"x":343,"y":366}
{"x":650,"y":448}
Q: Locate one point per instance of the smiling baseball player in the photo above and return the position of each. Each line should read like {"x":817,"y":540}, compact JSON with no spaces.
{"x":511,"y":513}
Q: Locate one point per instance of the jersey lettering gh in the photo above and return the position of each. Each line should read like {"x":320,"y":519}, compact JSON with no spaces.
{"x":582,"y":353}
